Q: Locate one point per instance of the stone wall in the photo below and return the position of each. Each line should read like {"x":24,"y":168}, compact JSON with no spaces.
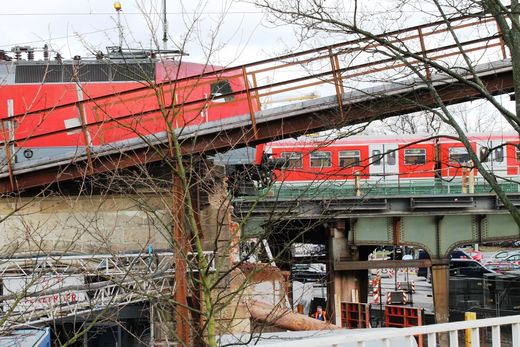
{"x":84,"y":224}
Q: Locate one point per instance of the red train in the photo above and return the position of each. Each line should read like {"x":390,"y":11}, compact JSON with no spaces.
{"x":43,"y":122}
{"x":373,"y":158}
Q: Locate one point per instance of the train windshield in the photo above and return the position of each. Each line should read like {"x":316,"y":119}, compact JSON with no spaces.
{"x":220,"y":91}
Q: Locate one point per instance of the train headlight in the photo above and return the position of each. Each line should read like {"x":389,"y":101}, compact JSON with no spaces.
{"x":28,"y":153}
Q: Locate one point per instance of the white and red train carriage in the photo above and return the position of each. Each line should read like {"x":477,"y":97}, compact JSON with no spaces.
{"x":398,"y":157}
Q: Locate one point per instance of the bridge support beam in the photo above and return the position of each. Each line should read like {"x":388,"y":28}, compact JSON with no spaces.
{"x":440,"y":286}
{"x":180,"y":237}
{"x":344,"y":285}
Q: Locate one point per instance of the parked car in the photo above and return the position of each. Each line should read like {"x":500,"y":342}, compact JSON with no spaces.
{"x":500,"y":256}
{"x":468,"y":268}
{"x":457,"y":253}
{"x":507,"y":243}
{"x":396,"y":254}
{"x":503,"y":267}
{"x":512,"y":258}
{"x":476,"y":255}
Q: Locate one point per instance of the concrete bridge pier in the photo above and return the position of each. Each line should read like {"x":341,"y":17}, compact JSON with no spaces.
{"x":344,"y":285}
{"x":440,"y":287}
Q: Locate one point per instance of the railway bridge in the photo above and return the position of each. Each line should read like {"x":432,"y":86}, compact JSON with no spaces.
{"x":345,"y":223}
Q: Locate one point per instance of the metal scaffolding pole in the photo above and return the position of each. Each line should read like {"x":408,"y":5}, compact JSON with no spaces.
{"x":180,"y":241}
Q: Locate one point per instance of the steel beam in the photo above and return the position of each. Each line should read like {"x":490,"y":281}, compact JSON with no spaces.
{"x":380,"y":264}
{"x":353,"y":207}
{"x":181,"y":246}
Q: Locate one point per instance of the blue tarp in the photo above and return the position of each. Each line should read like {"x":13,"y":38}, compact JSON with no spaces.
{"x":27,"y":338}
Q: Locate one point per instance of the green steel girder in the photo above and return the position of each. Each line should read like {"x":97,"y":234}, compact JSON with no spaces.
{"x":437,"y":223}
{"x":437,"y":234}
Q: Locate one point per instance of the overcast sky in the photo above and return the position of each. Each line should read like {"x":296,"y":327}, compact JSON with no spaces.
{"x":72,"y":26}
{"x":243,"y":33}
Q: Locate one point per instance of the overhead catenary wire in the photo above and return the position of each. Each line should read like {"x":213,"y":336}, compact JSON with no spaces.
{"x":9,"y":45}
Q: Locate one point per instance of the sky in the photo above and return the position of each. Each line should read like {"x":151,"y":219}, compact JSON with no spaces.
{"x":243,"y":33}
{"x":234,"y":31}
{"x":77,"y":27}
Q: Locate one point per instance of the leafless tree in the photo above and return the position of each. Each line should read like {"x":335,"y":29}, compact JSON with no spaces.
{"x":96,"y":244}
{"x":365,"y":26}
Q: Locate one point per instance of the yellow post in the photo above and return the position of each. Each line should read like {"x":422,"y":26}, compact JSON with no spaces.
{"x":464,"y":180}
{"x":357,"y":183}
{"x":469,"y":316}
{"x":471,"y":178}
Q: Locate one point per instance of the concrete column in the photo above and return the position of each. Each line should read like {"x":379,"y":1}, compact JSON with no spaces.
{"x":440,"y":287}
{"x":222,"y":236}
{"x":343,"y":284}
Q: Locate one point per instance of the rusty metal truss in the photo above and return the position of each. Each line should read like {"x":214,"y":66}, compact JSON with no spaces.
{"x":84,"y":284}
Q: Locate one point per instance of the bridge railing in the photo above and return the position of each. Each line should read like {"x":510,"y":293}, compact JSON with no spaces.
{"x":455,"y":331}
{"x":364,"y":62}
{"x":85,"y":300}
{"x":390,"y":186}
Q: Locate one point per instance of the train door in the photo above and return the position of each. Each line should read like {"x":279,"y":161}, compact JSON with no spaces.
{"x":498,"y":157}
{"x":492,"y":155}
{"x":484,"y":154}
{"x":454,"y":156}
{"x":391,"y":161}
{"x":384,"y":164}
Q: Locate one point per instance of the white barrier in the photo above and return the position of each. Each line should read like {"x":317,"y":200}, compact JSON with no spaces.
{"x":431,"y":331}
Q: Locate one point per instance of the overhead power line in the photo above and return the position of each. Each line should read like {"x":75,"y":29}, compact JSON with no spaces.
{"x":126,"y":13}
{"x":8,"y":45}
{"x":151,"y":13}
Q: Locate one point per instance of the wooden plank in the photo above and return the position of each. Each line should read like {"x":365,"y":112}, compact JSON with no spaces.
{"x":380,"y":264}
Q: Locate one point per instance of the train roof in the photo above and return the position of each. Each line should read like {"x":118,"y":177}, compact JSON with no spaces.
{"x":121,"y":66}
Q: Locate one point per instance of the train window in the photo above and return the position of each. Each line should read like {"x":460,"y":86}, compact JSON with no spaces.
{"x":292,"y":160}
{"x":321,"y":159}
{"x":517,"y":152}
{"x":376,"y":157}
{"x":499,"y":154}
{"x":220,"y":88}
{"x":415,"y":156}
{"x":348,"y":158}
{"x":458,"y":155}
{"x":390,"y":158}
{"x":484,"y":154}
